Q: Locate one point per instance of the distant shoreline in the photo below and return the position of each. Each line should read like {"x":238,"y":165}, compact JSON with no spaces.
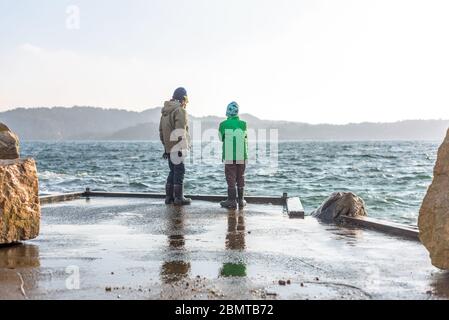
{"x":96,"y":124}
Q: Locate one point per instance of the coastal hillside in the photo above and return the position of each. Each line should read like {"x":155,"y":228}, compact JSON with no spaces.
{"x":76,"y":123}
{"x":90,"y":123}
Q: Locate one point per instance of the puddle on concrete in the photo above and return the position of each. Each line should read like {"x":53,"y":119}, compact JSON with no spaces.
{"x":19,"y":256}
{"x":440,"y":284}
{"x":141,"y":249}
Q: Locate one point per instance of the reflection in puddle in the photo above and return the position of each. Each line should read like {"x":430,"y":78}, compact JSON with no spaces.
{"x":440,"y":284}
{"x":345,"y":233}
{"x":19,"y":263}
{"x":233,"y":270}
{"x":19,"y":256}
{"x":174,"y":271}
{"x":235,"y":237}
{"x":177,"y":242}
{"x":235,"y":240}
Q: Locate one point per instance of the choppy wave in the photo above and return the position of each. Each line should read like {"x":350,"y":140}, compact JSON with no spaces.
{"x":392,"y":177}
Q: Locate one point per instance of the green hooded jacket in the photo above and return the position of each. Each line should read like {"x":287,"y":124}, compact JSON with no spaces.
{"x":234,"y":135}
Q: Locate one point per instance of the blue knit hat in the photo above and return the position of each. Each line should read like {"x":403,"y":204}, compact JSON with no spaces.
{"x":232,"y":110}
{"x":180,"y":94}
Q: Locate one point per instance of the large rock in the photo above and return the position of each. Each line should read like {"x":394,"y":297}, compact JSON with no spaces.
{"x":434,"y":214}
{"x":9,"y":143}
{"x":19,"y":201}
{"x":340,"y":204}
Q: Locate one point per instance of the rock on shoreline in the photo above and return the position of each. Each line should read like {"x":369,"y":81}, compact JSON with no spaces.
{"x":9,"y":143}
{"x":434,"y":214}
{"x":340,"y":204}
{"x":19,"y":201}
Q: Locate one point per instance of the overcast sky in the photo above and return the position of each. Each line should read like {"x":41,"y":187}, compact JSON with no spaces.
{"x":334,"y":61}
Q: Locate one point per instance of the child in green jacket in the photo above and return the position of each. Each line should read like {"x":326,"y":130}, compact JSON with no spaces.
{"x":233,"y":134}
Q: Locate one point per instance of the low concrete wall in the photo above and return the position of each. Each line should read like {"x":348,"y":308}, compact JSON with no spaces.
{"x":61,"y":197}
{"x":211,"y":198}
{"x":384,"y":226}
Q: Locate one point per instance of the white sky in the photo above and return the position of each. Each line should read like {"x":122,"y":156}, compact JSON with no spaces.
{"x":310,"y":61}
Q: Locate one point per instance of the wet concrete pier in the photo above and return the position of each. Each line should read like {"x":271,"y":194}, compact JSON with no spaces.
{"x":115,"y":248}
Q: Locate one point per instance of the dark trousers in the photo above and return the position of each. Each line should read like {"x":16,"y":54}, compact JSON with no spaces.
{"x":235,"y":175}
{"x":177,"y":172}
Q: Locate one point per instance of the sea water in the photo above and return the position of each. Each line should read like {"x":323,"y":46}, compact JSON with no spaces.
{"x":392,"y":177}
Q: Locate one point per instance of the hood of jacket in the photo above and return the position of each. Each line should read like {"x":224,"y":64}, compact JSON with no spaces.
{"x":170,"y":106}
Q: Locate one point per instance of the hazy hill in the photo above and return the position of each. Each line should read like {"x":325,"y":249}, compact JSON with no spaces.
{"x":73,"y":123}
{"x":89,"y":123}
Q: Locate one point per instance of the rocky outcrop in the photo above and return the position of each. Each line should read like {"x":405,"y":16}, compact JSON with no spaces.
{"x":19,"y":201}
{"x":434,"y":214}
{"x":9,"y":143}
{"x":340,"y":204}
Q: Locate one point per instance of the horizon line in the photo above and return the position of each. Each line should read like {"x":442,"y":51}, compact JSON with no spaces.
{"x":11,"y":109}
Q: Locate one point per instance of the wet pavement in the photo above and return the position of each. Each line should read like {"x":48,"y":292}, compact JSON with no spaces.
{"x":141,"y":249}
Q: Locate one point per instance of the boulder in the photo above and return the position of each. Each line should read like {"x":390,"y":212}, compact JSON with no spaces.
{"x":433,"y":219}
{"x":19,"y":201}
{"x":9,"y":143}
{"x":340,"y":204}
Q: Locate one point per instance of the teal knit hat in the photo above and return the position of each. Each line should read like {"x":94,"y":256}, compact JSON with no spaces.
{"x":232,"y":110}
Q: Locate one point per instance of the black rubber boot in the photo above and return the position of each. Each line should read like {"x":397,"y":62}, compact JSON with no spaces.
{"x":241,"y":194}
{"x":231,"y":202}
{"x":169,"y":198}
{"x":179,"y":196}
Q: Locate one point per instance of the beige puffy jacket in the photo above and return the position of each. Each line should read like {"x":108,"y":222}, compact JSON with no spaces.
{"x":174,"y":128}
